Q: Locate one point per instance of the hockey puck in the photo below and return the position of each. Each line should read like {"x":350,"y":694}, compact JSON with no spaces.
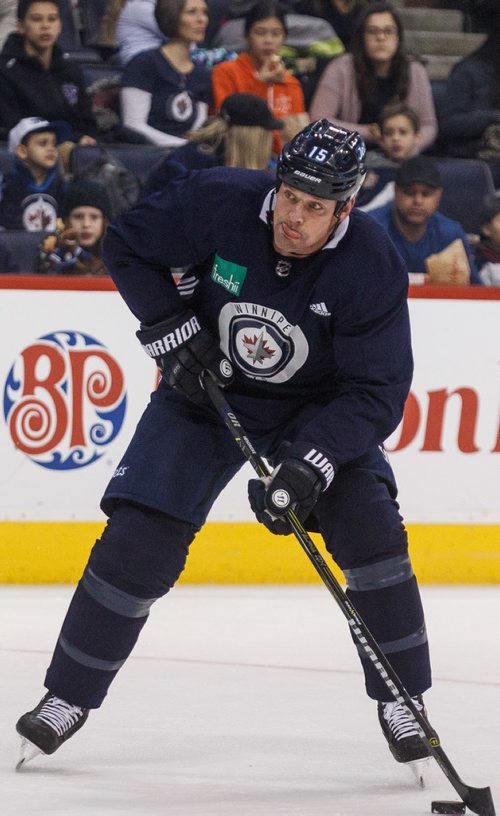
{"x":447,"y":807}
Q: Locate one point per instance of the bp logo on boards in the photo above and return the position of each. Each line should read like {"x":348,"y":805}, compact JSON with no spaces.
{"x":64,"y":400}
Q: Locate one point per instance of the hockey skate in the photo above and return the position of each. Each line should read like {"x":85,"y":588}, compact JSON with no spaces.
{"x":44,"y":729}
{"x":402,"y":736}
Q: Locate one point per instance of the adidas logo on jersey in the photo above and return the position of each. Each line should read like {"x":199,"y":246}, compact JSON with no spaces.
{"x":320,"y":309}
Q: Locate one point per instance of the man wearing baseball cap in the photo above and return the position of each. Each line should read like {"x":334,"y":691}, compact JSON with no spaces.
{"x":434,"y":247}
{"x":32,"y":190}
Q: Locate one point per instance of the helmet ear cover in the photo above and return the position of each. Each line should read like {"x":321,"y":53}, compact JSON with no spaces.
{"x":325,"y":161}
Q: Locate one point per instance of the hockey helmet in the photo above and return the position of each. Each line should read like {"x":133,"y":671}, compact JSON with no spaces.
{"x":324,"y":160}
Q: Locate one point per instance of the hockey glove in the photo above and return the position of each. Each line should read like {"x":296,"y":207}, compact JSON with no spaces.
{"x":294,"y":485}
{"x":182,"y":350}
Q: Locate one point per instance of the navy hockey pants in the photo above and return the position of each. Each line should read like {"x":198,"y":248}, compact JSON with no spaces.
{"x":143,"y":551}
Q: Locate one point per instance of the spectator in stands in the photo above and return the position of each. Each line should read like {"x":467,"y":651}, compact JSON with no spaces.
{"x":38,"y":79}
{"x":131,"y":27}
{"x":341,"y":14}
{"x":8,"y":19}
{"x":400,"y":138}
{"x":164,"y":94}
{"x":31,"y":194}
{"x":434,"y":247}
{"x":260,"y":70}
{"x":470,"y":108}
{"x":76,"y":245}
{"x":7,"y":264}
{"x":488,"y":250}
{"x":240,"y":135}
{"x":356,"y":86}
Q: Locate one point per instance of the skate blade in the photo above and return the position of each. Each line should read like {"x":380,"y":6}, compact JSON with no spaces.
{"x":418,"y":767}
{"x":28,"y":752}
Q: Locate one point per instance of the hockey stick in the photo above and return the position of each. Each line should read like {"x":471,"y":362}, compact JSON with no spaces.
{"x":479,"y":800}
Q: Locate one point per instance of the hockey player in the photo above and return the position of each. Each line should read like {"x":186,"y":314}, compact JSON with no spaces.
{"x":299,"y":307}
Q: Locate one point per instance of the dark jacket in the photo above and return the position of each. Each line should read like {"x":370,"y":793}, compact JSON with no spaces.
{"x":468,"y":106}
{"x":56,"y":93}
{"x":27,"y":205}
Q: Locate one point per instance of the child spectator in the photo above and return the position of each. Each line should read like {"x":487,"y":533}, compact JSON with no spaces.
{"x":240,"y":135}
{"x":76,"y":245}
{"x":355,"y":87}
{"x":400,"y":138}
{"x":164,"y":93}
{"x":32,"y":192}
{"x":488,"y":249}
{"x":260,"y":70}
{"x":420,"y":233}
{"x":38,"y":79}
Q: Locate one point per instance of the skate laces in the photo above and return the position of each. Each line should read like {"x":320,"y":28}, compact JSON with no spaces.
{"x":399,"y":719}
{"x":59,"y":714}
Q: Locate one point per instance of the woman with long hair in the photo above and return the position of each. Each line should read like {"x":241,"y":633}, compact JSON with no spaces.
{"x":164,"y":94}
{"x":356,"y":86}
{"x":260,"y":70}
{"x":240,"y":135}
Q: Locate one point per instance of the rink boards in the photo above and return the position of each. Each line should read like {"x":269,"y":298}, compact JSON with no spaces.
{"x":74,"y":383}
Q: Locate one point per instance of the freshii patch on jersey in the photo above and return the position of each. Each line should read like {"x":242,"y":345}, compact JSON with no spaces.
{"x":228,"y":274}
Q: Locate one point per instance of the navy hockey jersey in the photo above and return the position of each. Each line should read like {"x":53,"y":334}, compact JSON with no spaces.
{"x":330,"y":331}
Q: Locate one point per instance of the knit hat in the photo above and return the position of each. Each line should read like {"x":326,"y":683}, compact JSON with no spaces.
{"x":249,"y":109}
{"x":418,"y":170}
{"x":81,"y":193}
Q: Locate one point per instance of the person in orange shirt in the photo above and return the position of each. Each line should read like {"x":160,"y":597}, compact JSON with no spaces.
{"x":261,"y":71}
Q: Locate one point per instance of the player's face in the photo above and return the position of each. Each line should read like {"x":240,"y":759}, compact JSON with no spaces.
{"x":88,"y":223}
{"x":265,"y":39}
{"x":416,"y":202}
{"x":41,"y":150}
{"x":381,"y":38}
{"x":193,"y":21}
{"x":303,"y":223}
{"x":41,"y":26}
{"x":399,"y":139}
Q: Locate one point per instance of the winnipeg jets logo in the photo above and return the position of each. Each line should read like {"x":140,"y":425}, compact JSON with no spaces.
{"x":261,"y":341}
{"x":258,"y":348}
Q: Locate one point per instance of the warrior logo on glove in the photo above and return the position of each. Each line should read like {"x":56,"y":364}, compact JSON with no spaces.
{"x":182,"y":350}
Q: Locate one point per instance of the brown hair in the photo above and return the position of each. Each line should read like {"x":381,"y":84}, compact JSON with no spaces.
{"x":399,"y":109}
{"x":365,"y":76}
{"x":167,"y":13}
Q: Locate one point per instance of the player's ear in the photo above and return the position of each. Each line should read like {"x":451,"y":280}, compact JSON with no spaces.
{"x":345,"y":209}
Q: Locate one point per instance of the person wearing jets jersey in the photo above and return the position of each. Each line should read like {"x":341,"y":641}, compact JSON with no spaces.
{"x":296,"y":304}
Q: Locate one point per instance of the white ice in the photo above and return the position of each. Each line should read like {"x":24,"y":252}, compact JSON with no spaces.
{"x":248,"y":701}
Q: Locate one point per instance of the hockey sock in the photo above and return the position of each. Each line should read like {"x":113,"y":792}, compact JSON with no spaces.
{"x":137,"y":560}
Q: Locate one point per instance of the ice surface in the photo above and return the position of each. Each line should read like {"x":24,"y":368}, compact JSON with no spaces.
{"x":248,"y":701}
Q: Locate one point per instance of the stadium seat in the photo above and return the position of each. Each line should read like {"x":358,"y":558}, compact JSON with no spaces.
{"x":6,"y":159}
{"x":465,"y":183}
{"x":92,"y":12}
{"x":23,"y":247}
